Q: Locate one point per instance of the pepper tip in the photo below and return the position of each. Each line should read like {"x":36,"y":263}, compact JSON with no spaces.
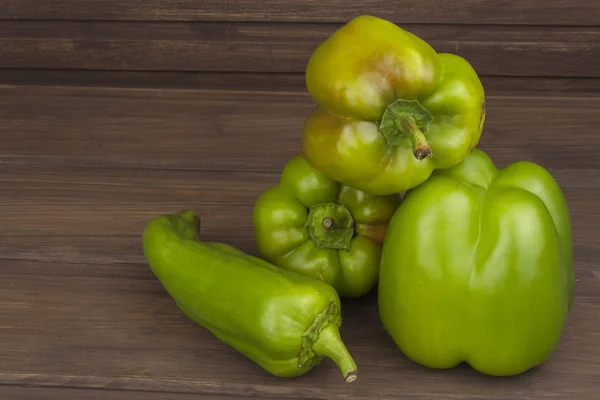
{"x":421,"y":153}
{"x":351,"y":377}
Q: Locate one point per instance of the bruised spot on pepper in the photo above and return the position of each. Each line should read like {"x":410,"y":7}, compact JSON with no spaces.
{"x":388,"y":66}
{"x":402,"y":74}
{"x":372,"y":89}
{"x":422,"y":152}
{"x":374,"y":86}
{"x":374,"y":232}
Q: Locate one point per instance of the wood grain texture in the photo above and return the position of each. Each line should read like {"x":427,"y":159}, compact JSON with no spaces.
{"x":82,"y":169}
{"x":71,"y":264}
{"x":27,"y":393}
{"x":108,"y":209}
{"x":138,"y":340}
{"x":279,"y":47}
{"x":271,"y":82}
{"x":47,"y":393}
{"x":112,"y":112}
{"x":247,"y":131}
{"x":537,"y":12}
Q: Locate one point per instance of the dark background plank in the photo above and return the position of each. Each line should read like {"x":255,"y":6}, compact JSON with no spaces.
{"x":32,"y":393}
{"x":50,"y":393}
{"x":110,"y":321}
{"x":115,"y":204}
{"x":230,"y":130}
{"x":91,"y":291}
{"x":271,"y":82}
{"x":278,"y":47}
{"x":534,"y":12}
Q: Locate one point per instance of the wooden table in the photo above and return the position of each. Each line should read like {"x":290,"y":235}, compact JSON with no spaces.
{"x":106,"y":121}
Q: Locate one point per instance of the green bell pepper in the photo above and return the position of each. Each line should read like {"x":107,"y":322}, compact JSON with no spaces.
{"x":477,"y":267}
{"x":283,"y":321}
{"x":315,"y":226}
{"x":390,"y":110}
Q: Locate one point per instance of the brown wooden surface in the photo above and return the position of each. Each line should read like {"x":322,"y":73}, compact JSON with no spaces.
{"x":26,"y":393}
{"x":514,"y":12}
{"x":113,"y":111}
{"x":248,"y":130}
{"x":271,"y":82}
{"x":83,"y":169}
{"x":281,"y":47}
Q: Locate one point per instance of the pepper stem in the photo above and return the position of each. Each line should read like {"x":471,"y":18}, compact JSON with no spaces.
{"x":186,"y":224}
{"x":322,"y":339}
{"x":330,"y":225}
{"x":329,"y":344}
{"x":405,"y":123}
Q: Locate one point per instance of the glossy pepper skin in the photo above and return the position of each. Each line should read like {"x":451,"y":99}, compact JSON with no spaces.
{"x":315,"y":226}
{"x":283,"y":321}
{"x":390,"y":110}
{"x":477,"y":266}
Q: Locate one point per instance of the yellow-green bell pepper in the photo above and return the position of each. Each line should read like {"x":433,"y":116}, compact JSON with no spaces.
{"x":390,"y":110}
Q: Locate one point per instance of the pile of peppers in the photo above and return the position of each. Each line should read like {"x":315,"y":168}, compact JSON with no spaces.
{"x":472,"y":263}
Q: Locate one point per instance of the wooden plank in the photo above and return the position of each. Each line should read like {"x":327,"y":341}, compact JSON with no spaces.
{"x":279,"y":82}
{"x":276,"y":47}
{"x":127,"y":198}
{"x":107,"y":209}
{"x":51,"y":393}
{"x":272,"y":82}
{"x":247,"y":131}
{"x":87,"y":248}
{"x":46,"y":393}
{"x":536,"y":12}
{"x":53,"y":326}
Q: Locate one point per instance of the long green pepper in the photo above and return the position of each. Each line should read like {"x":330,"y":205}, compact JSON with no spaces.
{"x":283,"y":321}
